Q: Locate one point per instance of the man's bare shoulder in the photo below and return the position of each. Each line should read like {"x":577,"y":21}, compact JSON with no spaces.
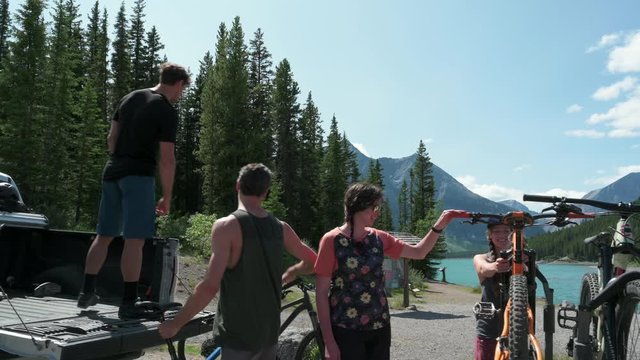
{"x":226,"y":225}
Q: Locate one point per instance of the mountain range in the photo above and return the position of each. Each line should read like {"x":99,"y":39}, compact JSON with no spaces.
{"x":451,"y":194}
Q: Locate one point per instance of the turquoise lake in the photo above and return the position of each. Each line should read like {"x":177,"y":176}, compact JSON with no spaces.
{"x":564,"y":279}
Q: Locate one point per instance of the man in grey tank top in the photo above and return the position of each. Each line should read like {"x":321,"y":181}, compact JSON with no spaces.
{"x":246,"y":266}
{"x":488,"y":267}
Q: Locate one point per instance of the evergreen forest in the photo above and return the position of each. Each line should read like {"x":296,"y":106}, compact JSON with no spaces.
{"x":62,"y":74}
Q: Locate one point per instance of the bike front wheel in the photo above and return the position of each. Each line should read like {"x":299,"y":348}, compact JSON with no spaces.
{"x":518,"y":319}
{"x":311,"y":347}
{"x":628,"y":322}
{"x":588,"y":291}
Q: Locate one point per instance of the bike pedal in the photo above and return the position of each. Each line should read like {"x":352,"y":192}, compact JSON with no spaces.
{"x":485,"y":310}
{"x":567,"y":315}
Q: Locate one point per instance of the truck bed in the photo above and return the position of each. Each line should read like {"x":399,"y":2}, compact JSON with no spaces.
{"x":60,"y":330}
{"x":53,"y":327}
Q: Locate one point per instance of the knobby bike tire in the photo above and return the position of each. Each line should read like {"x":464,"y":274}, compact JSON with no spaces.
{"x":518,"y":319}
{"x":588,"y":291}
{"x":628,"y":322}
{"x":308,"y":348}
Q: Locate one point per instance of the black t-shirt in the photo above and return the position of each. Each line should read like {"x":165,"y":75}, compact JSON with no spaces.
{"x":145,"y":119}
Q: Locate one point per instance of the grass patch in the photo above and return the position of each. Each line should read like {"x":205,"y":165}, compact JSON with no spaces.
{"x":396,"y":298}
{"x":189,"y":349}
{"x":476,"y":290}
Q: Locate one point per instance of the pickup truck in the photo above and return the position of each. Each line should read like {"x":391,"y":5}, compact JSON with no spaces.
{"x":46,"y":324}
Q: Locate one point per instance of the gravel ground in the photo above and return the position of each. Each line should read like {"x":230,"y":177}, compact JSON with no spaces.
{"x":441,"y":327}
{"x":444,"y":327}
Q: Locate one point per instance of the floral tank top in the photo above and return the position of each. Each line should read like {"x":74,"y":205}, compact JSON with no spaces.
{"x":357,"y":299}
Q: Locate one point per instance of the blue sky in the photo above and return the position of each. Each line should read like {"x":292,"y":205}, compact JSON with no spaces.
{"x":510,"y":97}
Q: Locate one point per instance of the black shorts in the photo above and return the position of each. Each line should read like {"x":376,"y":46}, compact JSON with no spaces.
{"x":363,"y":345}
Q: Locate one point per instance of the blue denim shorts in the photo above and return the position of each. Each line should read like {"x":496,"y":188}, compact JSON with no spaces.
{"x":127,"y":208}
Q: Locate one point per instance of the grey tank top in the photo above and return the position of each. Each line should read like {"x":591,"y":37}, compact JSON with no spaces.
{"x":248,"y":316}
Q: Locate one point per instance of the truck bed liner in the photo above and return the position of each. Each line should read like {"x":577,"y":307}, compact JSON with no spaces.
{"x":62,"y":331}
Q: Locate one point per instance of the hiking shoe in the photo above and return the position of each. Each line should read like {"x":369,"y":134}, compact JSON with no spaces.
{"x":87,"y":299}
{"x":46,"y":289}
{"x":129,"y":311}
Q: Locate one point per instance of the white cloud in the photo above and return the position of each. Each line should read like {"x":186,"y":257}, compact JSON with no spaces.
{"x":608,"y":179}
{"x":498,"y":193}
{"x":493,"y":192}
{"x":623,"y":118}
{"x":626,"y":58}
{"x":574,"y":109}
{"x":362,"y":149}
{"x":614,"y":90}
{"x":593,"y":134}
{"x":522,"y":167}
{"x":427,"y":141}
{"x":605,"y":41}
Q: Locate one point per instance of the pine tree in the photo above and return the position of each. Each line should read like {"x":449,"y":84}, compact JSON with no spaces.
{"x":211,"y":134}
{"x":120,"y":60}
{"x":422,"y":187}
{"x":138,"y":46}
{"x":285,"y":111}
{"x":260,"y":83}
{"x":97,"y":42}
{"x":384,"y":221}
{"x":273,"y":204}
{"x":353,"y":171}
{"x":22,"y":102}
{"x":188,"y":198}
{"x":334,"y":180}
{"x":422,"y":197}
{"x":404,"y":209}
{"x":310,"y":160}
{"x":5,"y":23}
{"x":63,"y":75}
{"x":152,"y":59}
{"x":224,"y":120}
{"x":375,"y":173}
{"x":429,"y":266}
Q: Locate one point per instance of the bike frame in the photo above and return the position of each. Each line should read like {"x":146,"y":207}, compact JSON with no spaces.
{"x":523,"y":263}
{"x":518,"y":220}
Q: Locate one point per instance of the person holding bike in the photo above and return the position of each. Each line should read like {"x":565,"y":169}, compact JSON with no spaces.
{"x":489,"y":266}
{"x":246,"y":265}
{"x":350,"y":289}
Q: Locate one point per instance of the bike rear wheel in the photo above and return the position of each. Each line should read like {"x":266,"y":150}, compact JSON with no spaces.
{"x":628,"y":322}
{"x":518,"y":319}
{"x":309,"y":349}
{"x":588,"y":291}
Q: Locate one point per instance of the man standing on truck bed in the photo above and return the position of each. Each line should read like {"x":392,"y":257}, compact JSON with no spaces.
{"x":246,"y":265}
{"x":143,"y":129}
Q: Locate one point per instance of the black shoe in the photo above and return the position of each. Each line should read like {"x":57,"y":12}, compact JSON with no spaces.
{"x":129,"y":311}
{"x":87,"y":299}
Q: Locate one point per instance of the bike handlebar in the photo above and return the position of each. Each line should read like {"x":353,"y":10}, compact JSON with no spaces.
{"x":561,"y":217}
{"x":624,"y":208}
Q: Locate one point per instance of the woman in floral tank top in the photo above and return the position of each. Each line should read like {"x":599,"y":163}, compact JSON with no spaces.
{"x":351,"y":299}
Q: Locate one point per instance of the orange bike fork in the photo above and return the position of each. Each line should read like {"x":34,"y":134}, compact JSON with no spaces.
{"x":502,"y":353}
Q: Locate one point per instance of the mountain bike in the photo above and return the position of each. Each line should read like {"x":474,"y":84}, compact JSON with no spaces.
{"x":606,"y":323}
{"x":517,"y":303}
{"x":311,"y":346}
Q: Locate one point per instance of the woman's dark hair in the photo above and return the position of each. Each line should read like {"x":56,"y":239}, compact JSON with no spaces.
{"x":360,"y":196}
{"x":254,"y":179}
